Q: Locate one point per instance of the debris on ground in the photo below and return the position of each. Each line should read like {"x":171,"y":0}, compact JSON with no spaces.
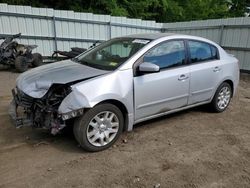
{"x":137,"y":179}
{"x":157,"y":185}
{"x":40,"y":143}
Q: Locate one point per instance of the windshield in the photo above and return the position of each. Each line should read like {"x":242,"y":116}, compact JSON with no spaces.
{"x":111,"y":54}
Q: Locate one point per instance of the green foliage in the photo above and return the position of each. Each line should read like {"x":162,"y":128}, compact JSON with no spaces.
{"x":238,"y":7}
{"x":159,"y":10}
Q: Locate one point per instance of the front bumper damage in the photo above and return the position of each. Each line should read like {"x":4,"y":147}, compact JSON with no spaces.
{"x":27,"y":111}
{"x":18,"y":120}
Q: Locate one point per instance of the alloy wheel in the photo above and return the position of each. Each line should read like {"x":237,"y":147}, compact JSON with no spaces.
{"x":102,"y":128}
{"x":224,"y":97}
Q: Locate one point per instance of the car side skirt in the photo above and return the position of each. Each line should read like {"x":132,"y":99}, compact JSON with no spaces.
{"x":171,"y":111}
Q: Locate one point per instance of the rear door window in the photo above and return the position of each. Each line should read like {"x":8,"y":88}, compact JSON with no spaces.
{"x":201,"y":51}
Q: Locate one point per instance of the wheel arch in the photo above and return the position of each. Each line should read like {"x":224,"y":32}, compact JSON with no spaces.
{"x":122,"y":107}
{"x":227,"y":80}
{"x":230,"y":82}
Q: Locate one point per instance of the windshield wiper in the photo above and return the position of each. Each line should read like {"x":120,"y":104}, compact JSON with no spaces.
{"x":75,"y":59}
{"x":84,"y":62}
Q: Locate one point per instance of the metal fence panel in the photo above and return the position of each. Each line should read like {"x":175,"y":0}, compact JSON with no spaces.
{"x":60,"y":30}
{"x":233,"y":34}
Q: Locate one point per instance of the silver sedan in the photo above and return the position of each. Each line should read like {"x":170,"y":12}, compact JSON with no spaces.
{"x":124,"y":81}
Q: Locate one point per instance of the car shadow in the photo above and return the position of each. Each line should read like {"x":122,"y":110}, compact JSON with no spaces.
{"x":65,"y":141}
{"x":3,"y":68}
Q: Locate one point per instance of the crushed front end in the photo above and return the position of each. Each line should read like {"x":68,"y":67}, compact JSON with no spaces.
{"x":39,"y":112}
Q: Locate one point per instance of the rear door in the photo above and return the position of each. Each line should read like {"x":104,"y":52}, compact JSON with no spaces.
{"x":166,"y":90}
{"x":205,"y":71}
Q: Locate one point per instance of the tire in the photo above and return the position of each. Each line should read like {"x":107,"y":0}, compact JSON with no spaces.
{"x":96,"y":139}
{"x":37,"y":60}
{"x":21,"y":64}
{"x":222,"y":98}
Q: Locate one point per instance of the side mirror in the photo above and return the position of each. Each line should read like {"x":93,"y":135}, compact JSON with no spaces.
{"x":146,"y":67}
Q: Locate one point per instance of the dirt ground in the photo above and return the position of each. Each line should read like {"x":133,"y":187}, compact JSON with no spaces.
{"x":194,"y":148}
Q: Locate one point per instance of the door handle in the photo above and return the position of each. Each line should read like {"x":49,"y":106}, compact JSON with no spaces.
{"x":183,"y":77}
{"x":216,"y":69}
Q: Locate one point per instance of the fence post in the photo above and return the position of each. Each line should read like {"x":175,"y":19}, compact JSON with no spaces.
{"x":54,"y":30}
{"x":221,"y":34}
{"x":109,"y":30}
{"x":163,"y":30}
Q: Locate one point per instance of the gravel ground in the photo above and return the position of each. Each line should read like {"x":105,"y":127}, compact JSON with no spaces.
{"x":194,"y":148}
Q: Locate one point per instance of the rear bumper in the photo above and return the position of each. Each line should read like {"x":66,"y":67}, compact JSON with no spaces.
{"x":17,"y":120}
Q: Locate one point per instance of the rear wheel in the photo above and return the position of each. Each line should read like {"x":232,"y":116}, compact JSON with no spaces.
{"x":222,"y":97}
{"x":21,"y":64}
{"x":99,"y":127}
{"x":37,"y":60}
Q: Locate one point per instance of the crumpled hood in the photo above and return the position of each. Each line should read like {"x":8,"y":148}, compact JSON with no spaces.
{"x":36,"y":82}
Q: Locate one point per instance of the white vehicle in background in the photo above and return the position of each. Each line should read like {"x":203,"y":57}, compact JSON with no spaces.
{"x":124,"y":81}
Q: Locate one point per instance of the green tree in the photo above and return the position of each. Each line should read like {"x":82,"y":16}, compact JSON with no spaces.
{"x":159,"y":10}
{"x":238,"y":7}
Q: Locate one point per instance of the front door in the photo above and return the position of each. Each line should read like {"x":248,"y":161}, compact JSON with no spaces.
{"x":156,"y":93}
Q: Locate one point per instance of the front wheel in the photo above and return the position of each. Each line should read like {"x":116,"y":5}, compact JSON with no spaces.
{"x":222,"y":97}
{"x":37,"y":60}
{"x":99,"y":127}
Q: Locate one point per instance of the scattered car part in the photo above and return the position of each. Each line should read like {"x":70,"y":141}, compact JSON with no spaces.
{"x":124,"y":81}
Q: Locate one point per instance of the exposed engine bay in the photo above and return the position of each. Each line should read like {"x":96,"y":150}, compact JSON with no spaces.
{"x":40,"y":92}
{"x":41,"y":112}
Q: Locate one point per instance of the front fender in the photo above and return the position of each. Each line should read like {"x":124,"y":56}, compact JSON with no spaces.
{"x":74,"y":101}
{"x":116,"y":86}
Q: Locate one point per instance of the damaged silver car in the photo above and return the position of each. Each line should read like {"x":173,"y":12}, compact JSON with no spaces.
{"x":124,"y":81}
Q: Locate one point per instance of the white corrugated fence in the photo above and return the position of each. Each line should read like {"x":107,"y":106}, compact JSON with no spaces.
{"x":233,"y":34}
{"x":60,"y":30}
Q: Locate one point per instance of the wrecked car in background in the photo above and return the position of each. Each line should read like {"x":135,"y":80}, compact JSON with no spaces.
{"x":123,"y":81}
{"x":19,"y":56}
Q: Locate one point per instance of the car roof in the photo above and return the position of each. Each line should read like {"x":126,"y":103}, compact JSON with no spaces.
{"x":155,"y":36}
{"x":151,"y":36}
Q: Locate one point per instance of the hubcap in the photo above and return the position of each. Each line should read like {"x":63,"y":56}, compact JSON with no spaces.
{"x":103,"y":128}
{"x":224,"y":98}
